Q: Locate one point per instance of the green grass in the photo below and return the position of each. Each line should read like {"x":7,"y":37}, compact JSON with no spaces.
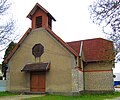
{"x":83,"y":97}
{"x":6,"y":94}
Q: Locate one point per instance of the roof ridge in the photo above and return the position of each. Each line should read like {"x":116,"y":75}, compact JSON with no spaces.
{"x":89,"y":40}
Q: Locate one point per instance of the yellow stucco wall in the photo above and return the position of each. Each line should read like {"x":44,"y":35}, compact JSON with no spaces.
{"x":58,"y":79}
{"x":99,"y":76}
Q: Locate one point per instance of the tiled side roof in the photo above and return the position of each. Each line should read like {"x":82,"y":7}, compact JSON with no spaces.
{"x":97,"y":49}
{"x":75,"y":45}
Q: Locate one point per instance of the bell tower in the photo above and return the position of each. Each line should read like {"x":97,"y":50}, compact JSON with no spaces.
{"x":40,"y":17}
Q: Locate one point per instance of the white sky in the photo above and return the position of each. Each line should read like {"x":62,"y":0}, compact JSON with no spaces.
{"x":72,"y":18}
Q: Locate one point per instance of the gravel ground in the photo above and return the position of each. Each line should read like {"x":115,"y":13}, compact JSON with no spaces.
{"x":18,"y":97}
{"x":118,"y":98}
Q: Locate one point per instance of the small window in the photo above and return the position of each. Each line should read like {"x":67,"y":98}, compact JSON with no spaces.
{"x":49,"y":22}
{"x":39,"y":22}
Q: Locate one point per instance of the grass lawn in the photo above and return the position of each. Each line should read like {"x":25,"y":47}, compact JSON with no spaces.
{"x":83,"y":97}
{"x":6,"y":94}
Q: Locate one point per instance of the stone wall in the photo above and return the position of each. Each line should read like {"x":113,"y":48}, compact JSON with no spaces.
{"x":98,"y":77}
{"x":77,"y":78}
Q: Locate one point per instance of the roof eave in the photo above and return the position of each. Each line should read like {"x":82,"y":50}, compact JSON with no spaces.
{"x":90,"y":61}
{"x":62,"y":42}
{"x":17,"y":46}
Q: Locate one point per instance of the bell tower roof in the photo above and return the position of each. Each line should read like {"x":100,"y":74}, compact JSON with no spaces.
{"x":35,"y":8}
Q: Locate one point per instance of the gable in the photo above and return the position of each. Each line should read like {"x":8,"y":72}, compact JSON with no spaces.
{"x":55,"y":53}
{"x":37,"y":37}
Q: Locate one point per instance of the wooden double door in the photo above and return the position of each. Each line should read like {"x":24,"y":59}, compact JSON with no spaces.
{"x":37,"y":81}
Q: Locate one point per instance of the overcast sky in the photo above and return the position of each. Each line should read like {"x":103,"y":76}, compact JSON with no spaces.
{"x":72,"y":18}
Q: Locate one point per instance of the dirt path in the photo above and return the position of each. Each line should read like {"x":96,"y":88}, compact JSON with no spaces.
{"x":117,"y":98}
{"x":18,"y":97}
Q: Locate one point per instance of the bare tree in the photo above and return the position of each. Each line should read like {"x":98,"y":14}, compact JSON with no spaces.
{"x":106,"y":13}
{"x":6,"y":25}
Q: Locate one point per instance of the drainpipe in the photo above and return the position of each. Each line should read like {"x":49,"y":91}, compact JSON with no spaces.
{"x":80,"y":55}
{"x":83,"y":75}
{"x":77,"y":74}
{"x":83,"y":79}
{"x":81,"y":47}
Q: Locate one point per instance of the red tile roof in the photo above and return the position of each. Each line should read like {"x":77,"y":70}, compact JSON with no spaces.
{"x":97,"y":49}
{"x":40,"y":7}
{"x":75,"y":45}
